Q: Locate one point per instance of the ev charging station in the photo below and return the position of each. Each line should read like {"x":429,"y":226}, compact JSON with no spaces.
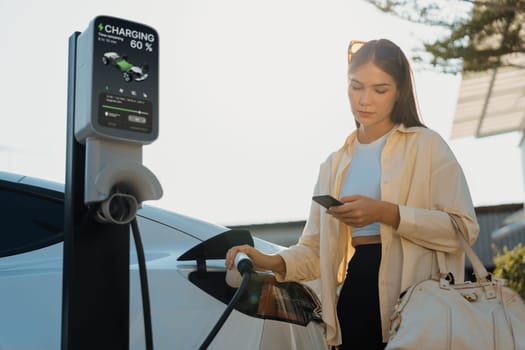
{"x":113,"y":72}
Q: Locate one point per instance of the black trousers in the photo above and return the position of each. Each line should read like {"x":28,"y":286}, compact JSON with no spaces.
{"x":358,"y":305}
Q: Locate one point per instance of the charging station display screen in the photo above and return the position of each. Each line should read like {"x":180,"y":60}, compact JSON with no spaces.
{"x":127,"y":113}
{"x":125,"y":78}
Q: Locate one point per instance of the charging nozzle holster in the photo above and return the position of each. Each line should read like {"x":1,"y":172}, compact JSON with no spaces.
{"x":117,"y":180}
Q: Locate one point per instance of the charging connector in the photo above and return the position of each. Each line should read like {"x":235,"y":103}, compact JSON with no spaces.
{"x":244,"y":265}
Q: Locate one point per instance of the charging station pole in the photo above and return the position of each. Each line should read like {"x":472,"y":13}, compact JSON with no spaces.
{"x":112,"y":112}
{"x":95,"y":300}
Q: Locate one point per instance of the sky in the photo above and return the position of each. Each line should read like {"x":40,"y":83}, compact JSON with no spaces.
{"x":252,"y":100}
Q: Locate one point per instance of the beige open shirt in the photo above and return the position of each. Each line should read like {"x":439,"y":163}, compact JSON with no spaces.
{"x":420,"y":173}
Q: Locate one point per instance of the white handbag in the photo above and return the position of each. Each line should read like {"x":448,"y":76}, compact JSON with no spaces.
{"x":436,"y":314}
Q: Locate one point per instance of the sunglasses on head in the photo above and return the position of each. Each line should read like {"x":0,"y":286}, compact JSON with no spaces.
{"x":383,"y":50}
{"x":353,"y":47}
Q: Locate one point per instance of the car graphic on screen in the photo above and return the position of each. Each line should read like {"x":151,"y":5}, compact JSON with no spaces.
{"x":130,"y":72}
{"x":186,"y":273}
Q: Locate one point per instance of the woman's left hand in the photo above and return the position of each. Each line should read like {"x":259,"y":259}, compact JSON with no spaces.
{"x":357,"y":210}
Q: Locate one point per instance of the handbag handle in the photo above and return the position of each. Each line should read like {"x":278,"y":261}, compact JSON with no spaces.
{"x":479,"y":269}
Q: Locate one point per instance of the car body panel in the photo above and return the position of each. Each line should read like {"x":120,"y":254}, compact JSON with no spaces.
{"x":34,"y":320}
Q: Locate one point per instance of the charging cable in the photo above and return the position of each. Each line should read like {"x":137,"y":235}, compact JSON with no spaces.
{"x":245,"y":267}
{"x":146,"y":309}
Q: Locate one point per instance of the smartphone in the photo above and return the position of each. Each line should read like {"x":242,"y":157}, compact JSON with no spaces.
{"x":327,"y":201}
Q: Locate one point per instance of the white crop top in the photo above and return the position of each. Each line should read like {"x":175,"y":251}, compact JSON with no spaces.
{"x":364,"y":177}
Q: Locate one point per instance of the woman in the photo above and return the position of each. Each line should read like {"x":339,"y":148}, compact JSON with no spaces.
{"x":399,"y":182}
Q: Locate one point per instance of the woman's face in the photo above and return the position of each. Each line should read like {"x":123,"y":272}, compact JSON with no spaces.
{"x":372,"y":94}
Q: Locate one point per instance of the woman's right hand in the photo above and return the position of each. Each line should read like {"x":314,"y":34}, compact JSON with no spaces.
{"x":261,"y":261}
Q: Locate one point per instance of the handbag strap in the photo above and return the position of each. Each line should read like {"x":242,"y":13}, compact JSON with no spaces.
{"x":479,"y":269}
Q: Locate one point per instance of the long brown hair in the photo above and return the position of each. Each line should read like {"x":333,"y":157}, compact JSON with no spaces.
{"x":390,"y":58}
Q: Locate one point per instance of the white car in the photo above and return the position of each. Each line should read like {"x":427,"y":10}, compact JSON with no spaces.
{"x":184,"y":309}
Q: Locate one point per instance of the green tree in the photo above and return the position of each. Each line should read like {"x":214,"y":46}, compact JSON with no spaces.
{"x":479,"y":34}
{"x":511,"y":265}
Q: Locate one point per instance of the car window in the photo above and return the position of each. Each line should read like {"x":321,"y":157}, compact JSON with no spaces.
{"x":287,"y":301}
{"x":264,"y":297}
{"x":30,"y":218}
